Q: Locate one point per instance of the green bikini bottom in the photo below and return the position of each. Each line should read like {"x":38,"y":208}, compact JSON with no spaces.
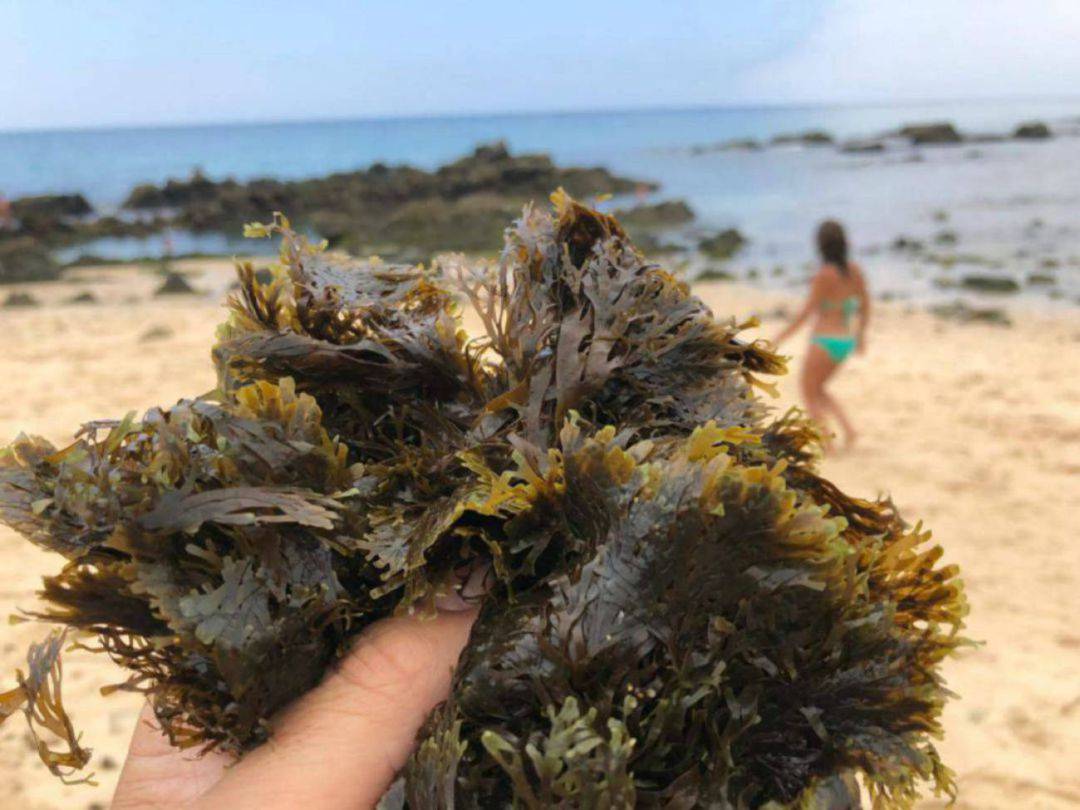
{"x":838,"y":347}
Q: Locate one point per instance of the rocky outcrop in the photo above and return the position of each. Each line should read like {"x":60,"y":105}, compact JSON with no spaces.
{"x":25,"y":259}
{"x":813,"y":137}
{"x":1032,"y":131}
{"x":989,"y":284}
{"x":51,"y":206}
{"x":733,"y":145}
{"x":862,"y":147}
{"x":47,"y":214}
{"x":489,"y":169}
{"x":460,"y":206}
{"x":659,"y":216}
{"x":907,"y":244}
{"x":723,"y":245}
{"x":938,"y":132}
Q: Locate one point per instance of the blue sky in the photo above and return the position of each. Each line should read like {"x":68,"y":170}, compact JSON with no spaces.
{"x":125,"y":62}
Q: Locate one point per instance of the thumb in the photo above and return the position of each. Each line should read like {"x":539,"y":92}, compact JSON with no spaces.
{"x":342,"y":744}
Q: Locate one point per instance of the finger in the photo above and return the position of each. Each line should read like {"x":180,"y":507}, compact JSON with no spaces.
{"x":341,"y":745}
{"x":156,"y":774}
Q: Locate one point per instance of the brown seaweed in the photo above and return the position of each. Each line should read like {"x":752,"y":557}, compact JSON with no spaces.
{"x":681,"y":612}
{"x":39,"y":698}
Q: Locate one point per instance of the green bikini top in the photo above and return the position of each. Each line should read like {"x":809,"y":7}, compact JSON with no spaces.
{"x":849,"y":306}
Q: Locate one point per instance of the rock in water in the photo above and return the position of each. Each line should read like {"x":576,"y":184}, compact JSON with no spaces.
{"x":813,"y":137}
{"x":1032,"y":131}
{"x":990,"y":284}
{"x":391,"y":210}
{"x":682,"y":612}
{"x":933,"y":133}
{"x":51,"y":206}
{"x":862,"y":147}
{"x":723,"y":245}
{"x":733,"y":145}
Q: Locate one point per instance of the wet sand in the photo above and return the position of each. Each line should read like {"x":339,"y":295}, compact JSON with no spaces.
{"x":973,"y":428}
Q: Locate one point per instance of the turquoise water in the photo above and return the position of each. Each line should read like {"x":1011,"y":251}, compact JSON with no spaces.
{"x":993,"y":193}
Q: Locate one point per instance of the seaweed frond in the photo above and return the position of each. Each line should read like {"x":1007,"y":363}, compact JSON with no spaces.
{"x":681,"y":611}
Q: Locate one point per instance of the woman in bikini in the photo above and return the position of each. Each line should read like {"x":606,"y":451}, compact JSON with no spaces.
{"x":839,"y":306}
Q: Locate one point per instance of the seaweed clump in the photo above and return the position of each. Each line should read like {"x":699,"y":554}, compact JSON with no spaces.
{"x":679,"y":611}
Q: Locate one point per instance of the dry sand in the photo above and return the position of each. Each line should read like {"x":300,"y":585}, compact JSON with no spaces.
{"x":974,"y":428}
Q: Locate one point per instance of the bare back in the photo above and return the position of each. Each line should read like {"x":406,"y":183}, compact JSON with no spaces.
{"x":830,"y":295}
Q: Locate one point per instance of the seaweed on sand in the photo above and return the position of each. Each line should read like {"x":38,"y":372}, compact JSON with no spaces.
{"x":680,"y":611}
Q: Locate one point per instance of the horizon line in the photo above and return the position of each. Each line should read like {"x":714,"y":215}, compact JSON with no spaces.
{"x":537,"y":113}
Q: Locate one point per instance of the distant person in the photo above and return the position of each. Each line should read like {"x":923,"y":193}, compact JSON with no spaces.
{"x":839,"y":307}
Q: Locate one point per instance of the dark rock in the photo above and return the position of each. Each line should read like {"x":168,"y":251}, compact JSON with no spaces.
{"x":24,"y":258}
{"x":20,"y":299}
{"x":51,"y":206}
{"x":723,"y":245}
{"x":472,"y":223}
{"x":461,"y":206}
{"x":116,"y":227}
{"x":715,"y":274}
{"x":652,"y":245}
{"x":989,"y":284}
{"x":662,"y":215}
{"x":938,"y":132}
{"x":49,"y":216}
{"x":158,"y":332}
{"x":812,"y":137}
{"x":733,"y":145}
{"x":175,"y":284}
{"x":85,"y":297}
{"x":89,"y":260}
{"x":175,"y":193}
{"x":860,"y":147}
{"x":959,"y":311}
{"x":907,"y":244}
{"x":1032,"y":131}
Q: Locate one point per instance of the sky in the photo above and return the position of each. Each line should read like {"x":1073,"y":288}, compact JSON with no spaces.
{"x":84,"y":63}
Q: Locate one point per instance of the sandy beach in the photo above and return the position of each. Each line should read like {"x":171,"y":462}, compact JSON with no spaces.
{"x":973,"y":428}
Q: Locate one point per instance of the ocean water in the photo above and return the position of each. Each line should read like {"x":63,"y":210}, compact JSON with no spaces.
{"x":1012,"y":205}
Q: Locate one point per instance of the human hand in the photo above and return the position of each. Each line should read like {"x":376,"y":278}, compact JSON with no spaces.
{"x":338,"y":746}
